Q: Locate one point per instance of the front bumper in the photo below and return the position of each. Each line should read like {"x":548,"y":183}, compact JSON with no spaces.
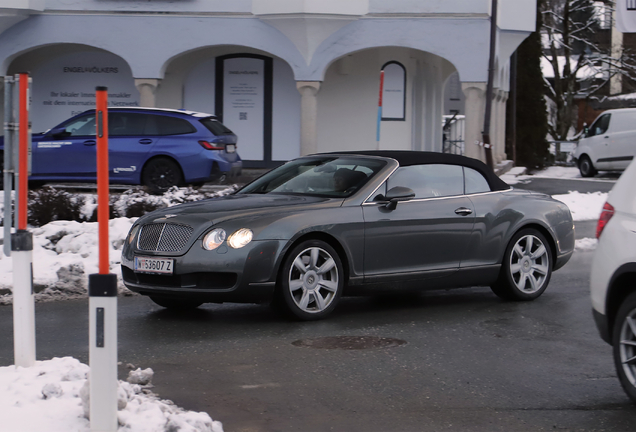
{"x":246,"y":275}
{"x":602,"y":324}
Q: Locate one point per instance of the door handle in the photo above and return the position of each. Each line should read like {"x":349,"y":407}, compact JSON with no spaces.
{"x":463,"y":211}
{"x":90,"y":142}
{"x":145,"y":141}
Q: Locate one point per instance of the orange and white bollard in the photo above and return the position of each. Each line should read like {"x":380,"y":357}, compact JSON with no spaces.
{"x":22,"y":243}
{"x":102,"y":291}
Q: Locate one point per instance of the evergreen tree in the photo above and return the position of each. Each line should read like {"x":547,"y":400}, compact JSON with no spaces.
{"x":532,"y":118}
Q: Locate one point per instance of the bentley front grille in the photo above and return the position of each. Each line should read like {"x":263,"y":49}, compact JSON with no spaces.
{"x":163,"y":237}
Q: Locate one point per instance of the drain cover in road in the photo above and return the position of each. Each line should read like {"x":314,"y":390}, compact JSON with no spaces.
{"x":349,"y":342}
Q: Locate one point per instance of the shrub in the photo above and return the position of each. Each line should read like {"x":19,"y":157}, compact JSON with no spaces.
{"x":48,"y":204}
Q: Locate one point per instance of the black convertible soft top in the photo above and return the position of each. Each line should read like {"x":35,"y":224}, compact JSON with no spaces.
{"x":406,"y":158}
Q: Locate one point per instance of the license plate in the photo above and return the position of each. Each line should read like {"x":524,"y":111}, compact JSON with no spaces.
{"x":154,"y":265}
{"x":230,"y":148}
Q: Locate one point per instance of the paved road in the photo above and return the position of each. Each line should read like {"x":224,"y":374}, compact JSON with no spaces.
{"x":470,"y":363}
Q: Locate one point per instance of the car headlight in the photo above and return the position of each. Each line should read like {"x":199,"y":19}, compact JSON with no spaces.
{"x":132,"y":234}
{"x":214,"y":239}
{"x":240,"y":238}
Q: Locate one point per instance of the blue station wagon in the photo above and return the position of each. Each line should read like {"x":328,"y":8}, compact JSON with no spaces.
{"x":157,"y":148}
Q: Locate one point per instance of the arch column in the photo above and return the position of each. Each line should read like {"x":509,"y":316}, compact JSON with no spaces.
{"x":308,"y":116}
{"x":475,"y":106}
{"x":147,"y":88}
{"x":502,"y":98}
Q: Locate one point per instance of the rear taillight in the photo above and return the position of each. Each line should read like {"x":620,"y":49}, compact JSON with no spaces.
{"x":206,"y":145}
{"x":606,"y":215}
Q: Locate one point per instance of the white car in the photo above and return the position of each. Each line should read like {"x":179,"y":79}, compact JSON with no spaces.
{"x":609,"y":144}
{"x":613,"y":278}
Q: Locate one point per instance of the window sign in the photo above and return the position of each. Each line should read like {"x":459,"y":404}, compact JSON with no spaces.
{"x":393,"y":94}
{"x":243,"y":103}
{"x":65,"y":86}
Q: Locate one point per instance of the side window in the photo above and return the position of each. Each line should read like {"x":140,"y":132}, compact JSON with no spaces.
{"x":83,"y":126}
{"x":475,"y":182}
{"x":600,"y":126}
{"x":166,"y":125}
{"x":428,"y":181}
{"x":126,"y":124}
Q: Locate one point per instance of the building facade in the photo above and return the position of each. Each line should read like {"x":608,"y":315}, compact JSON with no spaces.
{"x":290,"y":77}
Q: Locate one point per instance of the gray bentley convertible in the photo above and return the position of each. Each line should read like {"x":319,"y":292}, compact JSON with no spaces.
{"x":328,"y":225}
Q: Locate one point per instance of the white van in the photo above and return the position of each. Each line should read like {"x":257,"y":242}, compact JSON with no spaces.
{"x":609,"y":144}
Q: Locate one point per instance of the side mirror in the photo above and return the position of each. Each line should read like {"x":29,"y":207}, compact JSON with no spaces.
{"x":586,"y":130}
{"x":397,"y":194}
{"x":58,"y":133}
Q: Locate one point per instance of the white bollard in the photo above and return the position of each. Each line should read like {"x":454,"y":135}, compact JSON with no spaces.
{"x":102,"y":304}
{"x":23,"y":299}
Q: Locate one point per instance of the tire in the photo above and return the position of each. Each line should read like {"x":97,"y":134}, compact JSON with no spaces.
{"x":586,"y":168}
{"x":160,"y":174}
{"x":624,"y":345}
{"x":526,"y":267}
{"x":311,"y":280}
{"x":175,"y":304}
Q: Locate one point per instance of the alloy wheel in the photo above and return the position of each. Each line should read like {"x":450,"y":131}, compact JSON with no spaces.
{"x":529,"y":264}
{"x":627,"y":348}
{"x":313,"y":280}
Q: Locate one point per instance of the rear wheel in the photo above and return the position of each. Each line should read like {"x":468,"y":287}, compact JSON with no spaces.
{"x":176,"y":304}
{"x":311,"y":280}
{"x":526,"y":267}
{"x":586,"y":168}
{"x":160,"y":174}
{"x":624,"y":345}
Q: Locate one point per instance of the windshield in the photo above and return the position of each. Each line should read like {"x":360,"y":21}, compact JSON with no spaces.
{"x":329,"y":176}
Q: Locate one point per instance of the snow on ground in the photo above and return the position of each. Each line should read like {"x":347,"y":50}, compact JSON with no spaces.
{"x":52,"y":396}
{"x":518,"y":174}
{"x":584,"y":206}
{"x":585,"y":244}
{"x":64,"y":254}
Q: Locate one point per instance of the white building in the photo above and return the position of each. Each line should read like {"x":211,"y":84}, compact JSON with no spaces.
{"x":290,"y":77}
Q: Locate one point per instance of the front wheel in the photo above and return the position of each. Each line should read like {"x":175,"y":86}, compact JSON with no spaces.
{"x":161,"y":174}
{"x":586,"y":168}
{"x":311,"y":280}
{"x":176,"y":304}
{"x":624,"y":345}
{"x":526,"y":267}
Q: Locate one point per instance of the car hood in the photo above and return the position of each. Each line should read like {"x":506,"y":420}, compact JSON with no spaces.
{"x":212,"y":211}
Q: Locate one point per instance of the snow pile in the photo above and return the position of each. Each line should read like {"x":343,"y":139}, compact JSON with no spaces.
{"x":48,"y":397}
{"x":64,"y":254}
{"x":585,"y":244}
{"x":518,"y":174}
{"x":584,"y":206}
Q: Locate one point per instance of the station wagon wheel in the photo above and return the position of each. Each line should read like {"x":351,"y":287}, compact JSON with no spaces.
{"x":311,"y":280}
{"x":526,"y":267}
{"x":176,"y":304}
{"x":160,"y":174}
{"x":624,"y":345}
{"x":586,"y":168}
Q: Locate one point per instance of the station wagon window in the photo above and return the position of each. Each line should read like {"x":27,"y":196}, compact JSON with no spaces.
{"x":429,"y":181}
{"x":600,"y":126}
{"x":475,"y":182}
{"x":126,"y":124}
{"x":215,"y":126}
{"x":166,"y":125}
{"x":83,"y":126}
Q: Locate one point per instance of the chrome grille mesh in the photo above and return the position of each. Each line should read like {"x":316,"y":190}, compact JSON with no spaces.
{"x":163,"y":237}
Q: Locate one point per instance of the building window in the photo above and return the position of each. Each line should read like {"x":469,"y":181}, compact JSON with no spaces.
{"x":394,"y":92}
